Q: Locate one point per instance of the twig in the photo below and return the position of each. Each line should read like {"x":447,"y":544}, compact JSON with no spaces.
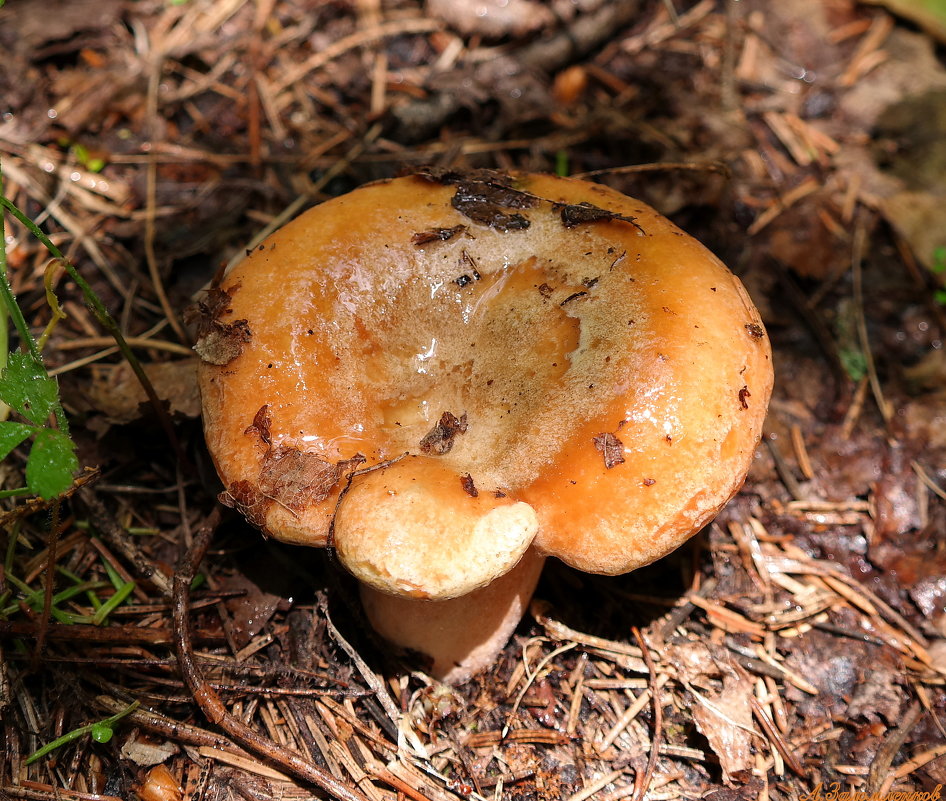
{"x":209,"y":701}
{"x":775,"y":737}
{"x":538,"y":669}
{"x":682,"y":612}
{"x":559,"y":631}
{"x":644,"y":781}
{"x":595,"y":786}
{"x":44,"y":792}
{"x":880,"y":767}
{"x":660,"y":166}
{"x":857,"y":255}
{"x":919,"y":761}
{"x":134,"y":342}
{"x":728,"y":95}
{"x":157,"y":283}
{"x":165,"y":726}
{"x":50,"y":583}
{"x":116,"y":536}
{"x":398,"y":784}
{"x":87,"y":633}
{"x":629,"y":714}
{"x":358,"y":39}
{"x":374,"y":682}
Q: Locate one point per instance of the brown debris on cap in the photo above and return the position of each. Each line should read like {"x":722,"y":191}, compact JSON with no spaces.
{"x":585,"y":213}
{"x":439,"y":440}
{"x":218,"y":343}
{"x":611,"y":448}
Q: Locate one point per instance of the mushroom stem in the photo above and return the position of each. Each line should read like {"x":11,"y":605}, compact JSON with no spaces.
{"x":461,"y":636}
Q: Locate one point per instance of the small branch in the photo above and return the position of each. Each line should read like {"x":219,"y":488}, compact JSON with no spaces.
{"x":660,"y":166}
{"x":893,"y":742}
{"x":116,"y":536}
{"x":645,"y":780}
{"x":87,"y":634}
{"x":50,"y":582}
{"x":775,"y":737}
{"x":858,"y":249}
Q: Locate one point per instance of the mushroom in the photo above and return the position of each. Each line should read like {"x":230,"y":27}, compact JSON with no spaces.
{"x":449,"y":376}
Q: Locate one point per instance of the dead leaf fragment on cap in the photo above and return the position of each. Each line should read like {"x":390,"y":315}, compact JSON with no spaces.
{"x":482,"y":195}
{"x":223,"y":343}
{"x":262,"y":420}
{"x":218,"y":343}
{"x":288,"y":476}
{"x":437,"y":235}
{"x":449,"y":176}
{"x":585,"y":213}
{"x":248,"y":501}
{"x":484,"y":203}
{"x":755,"y":330}
{"x":743,"y":394}
{"x":611,"y":448}
{"x":295,"y":479}
{"x":439,"y":440}
{"x":466,"y":481}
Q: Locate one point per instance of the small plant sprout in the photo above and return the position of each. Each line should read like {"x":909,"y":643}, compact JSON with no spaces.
{"x":939,"y":269}
{"x":101,"y":732}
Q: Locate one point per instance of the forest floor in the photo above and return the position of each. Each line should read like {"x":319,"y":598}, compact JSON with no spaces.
{"x":794,"y":649}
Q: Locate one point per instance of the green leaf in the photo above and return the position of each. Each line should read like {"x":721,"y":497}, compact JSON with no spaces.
{"x":939,"y":260}
{"x":25,"y":387}
{"x":11,"y":435}
{"x":117,"y":599}
{"x":561,"y":163}
{"x":51,"y":464}
{"x":854,"y":363}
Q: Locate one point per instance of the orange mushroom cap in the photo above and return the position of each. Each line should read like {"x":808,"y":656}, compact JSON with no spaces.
{"x":526,"y":361}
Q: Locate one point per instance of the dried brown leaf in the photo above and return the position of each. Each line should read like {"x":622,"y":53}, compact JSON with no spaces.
{"x":262,"y":420}
{"x":439,"y":440}
{"x":248,"y":501}
{"x":223,"y":343}
{"x":210,"y":308}
{"x":217,"y":343}
{"x":586,"y":213}
{"x":611,"y":448}
{"x":725,"y":719}
{"x":295,"y":479}
{"x":485,"y":203}
{"x":437,"y":235}
{"x":250,"y":607}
